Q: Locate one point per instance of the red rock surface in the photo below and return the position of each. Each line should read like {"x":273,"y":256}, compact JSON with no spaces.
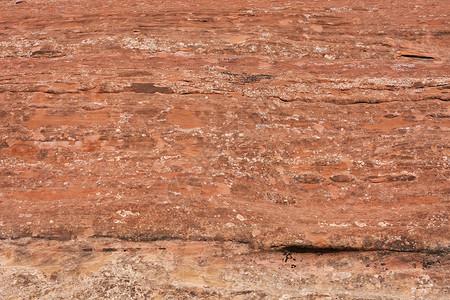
{"x":206,"y":145}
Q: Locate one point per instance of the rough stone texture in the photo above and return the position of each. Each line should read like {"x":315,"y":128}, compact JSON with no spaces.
{"x":243,"y":149}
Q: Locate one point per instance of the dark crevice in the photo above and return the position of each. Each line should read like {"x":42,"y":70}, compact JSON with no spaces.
{"x":109,"y":249}
{"x":330,"y":250}
{"x":437,"y":98}
{"x":61,"y":238}
{"x":249,"y":78}
{"x":197,"y":93}
{"x":285,"y":100}
{"x":284,"y":248}
{"x":294,"y":100}
{"x":371,"y":102}
{"x":417,"y":56}
{"x":59,"y":92}
{"x":46,"y":54}
{"x":312,"y":249}
{"x":362,"y":102}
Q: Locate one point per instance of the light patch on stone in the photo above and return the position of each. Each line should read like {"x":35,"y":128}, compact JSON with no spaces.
{"x":240,"y":217}
{"x":359,"y":224}
{"x":340,"y":225}
{"x":384,"y":224}
{"x":341,"y":276}
{"x":126,"y":213}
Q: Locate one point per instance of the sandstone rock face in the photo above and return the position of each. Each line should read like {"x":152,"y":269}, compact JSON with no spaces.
{"x":238,"y":150}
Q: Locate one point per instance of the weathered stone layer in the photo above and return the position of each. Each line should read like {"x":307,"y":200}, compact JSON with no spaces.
{"x":318,"y":125}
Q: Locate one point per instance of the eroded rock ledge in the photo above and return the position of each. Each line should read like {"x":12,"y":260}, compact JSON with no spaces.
{"x":101,"y":267}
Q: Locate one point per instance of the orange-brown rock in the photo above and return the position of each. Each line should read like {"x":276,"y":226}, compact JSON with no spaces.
{"x":245,"y":150}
